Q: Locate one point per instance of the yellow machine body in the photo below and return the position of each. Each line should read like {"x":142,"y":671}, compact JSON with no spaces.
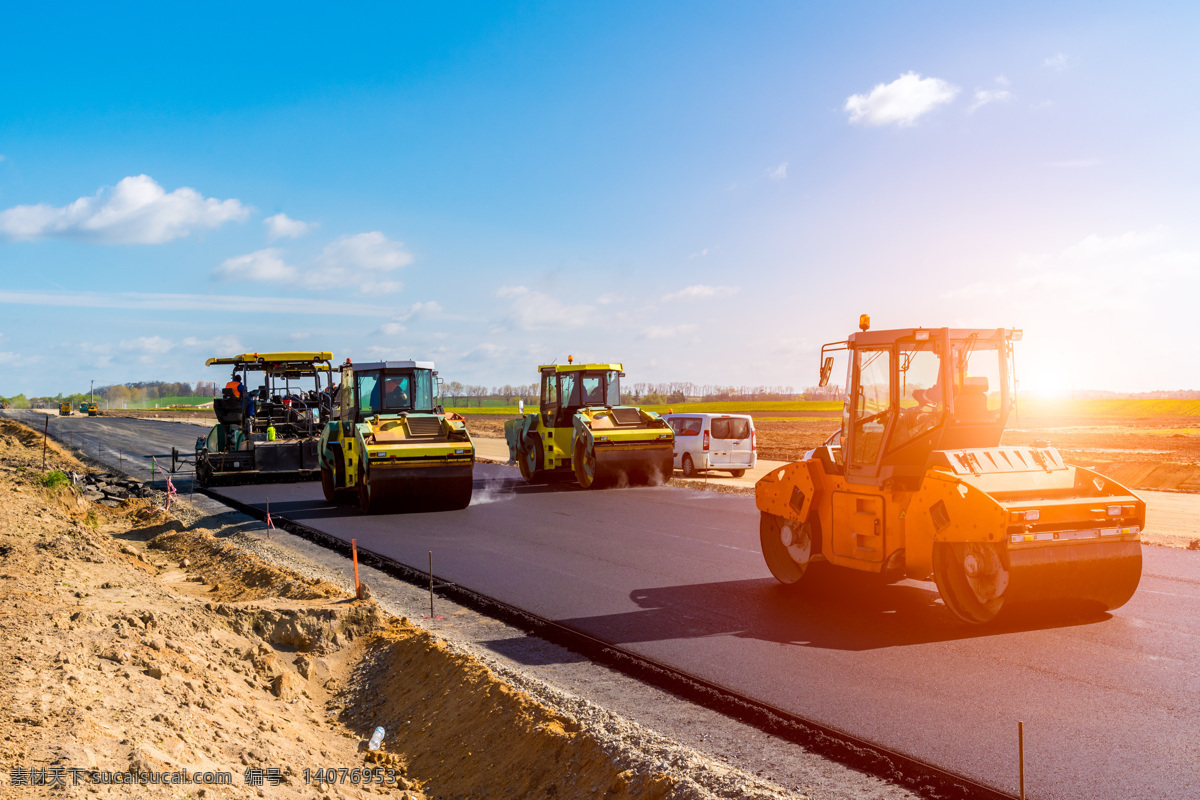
{"x":64,"y":409}
{"x":929,"y":492}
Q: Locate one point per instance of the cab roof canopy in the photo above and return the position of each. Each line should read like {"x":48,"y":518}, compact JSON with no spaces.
{"x":290,"y":359}
{"x":390,"y":365}
{"x":281,"y":364}
{"x":883,"y":337}
{"x":579,"y":367}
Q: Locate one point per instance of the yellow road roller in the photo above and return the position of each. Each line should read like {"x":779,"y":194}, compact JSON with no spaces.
{"x":916,"y":484}
{"x":392,"y":445}
{"x":583,"y":429}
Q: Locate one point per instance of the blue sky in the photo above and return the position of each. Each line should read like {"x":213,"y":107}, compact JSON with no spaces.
{"x":706,"y":192}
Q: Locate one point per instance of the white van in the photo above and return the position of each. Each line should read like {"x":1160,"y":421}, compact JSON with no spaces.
{"x":706,"y":442}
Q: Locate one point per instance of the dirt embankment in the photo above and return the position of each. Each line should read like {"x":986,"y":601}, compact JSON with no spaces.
{"x":136,"y":643}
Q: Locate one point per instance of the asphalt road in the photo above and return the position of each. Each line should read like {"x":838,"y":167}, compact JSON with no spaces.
{"x":1111,"y":705}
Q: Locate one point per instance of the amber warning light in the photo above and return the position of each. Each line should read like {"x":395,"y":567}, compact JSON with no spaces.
{"x":864,"y":321}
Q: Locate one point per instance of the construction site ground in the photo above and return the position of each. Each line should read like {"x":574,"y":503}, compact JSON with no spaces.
{"x":1161,"y":453}
{"x":195,"y":639}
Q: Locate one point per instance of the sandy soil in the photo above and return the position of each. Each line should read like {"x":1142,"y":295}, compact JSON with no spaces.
{"x":138,"y":640}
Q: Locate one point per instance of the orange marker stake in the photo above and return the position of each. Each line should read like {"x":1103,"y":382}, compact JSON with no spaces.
{"x":354,"y":557}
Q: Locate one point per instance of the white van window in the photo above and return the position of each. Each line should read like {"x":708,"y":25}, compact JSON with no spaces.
{"x":730,"y":428}
{"x":687,"y":426}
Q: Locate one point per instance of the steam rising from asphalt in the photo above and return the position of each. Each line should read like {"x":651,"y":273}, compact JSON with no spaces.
{"x":492,"y":491}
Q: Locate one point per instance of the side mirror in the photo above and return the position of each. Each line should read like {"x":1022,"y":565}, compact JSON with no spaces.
{"x":826,"y":370}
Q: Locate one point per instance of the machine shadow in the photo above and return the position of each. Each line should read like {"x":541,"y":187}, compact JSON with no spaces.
{"x":833,"y":612}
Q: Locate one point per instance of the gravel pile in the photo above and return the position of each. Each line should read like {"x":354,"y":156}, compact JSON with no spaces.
{"x":109,"y":489}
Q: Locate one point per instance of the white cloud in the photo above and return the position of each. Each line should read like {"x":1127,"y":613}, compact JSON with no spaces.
{"x":701,"y":292}
{"x":136,"y":211}
{"x":359,"y":260}
{"x":487,"y":351}
{"x":778,"y":173}
{"x":148,"y":344}
{"x":533,"y":311}
{"x":902,"y":101}
{"x":985,"y":96}
{"x":261,"y":265}
{"x":218,"y":345}
{"x":9,"y":358}
{"x":281,"y":225}
{"x":1059,"y":61}
{"x":699,"y":253}
{"x":230,"y":303}
{"x":416,"y":311}
{"x":666,"y":331}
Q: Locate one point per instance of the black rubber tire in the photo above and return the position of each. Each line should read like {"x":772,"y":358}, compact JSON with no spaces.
{"x":327,"y":485}
{"x":581,"y":463}
{"x":364,"y":492}
{"x":688,"y":467}
{"x":783,"y":563}
{"x":531,"y":452}
{"x":954,"y":585}
{"x":737,"y":473}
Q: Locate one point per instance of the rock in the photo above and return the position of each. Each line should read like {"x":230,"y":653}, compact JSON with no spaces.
{"x":107,"y":503}
{"x":115,"y":654}
{"x":269,"y":665}
{"x":287,"y":687}
{"x":314,"y":669}
{"x":185,"y":563}
{"x":364,"y":591}
{"x":154,"y":671}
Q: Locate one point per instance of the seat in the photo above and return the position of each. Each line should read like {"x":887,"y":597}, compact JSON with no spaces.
{"x":971,"y":402}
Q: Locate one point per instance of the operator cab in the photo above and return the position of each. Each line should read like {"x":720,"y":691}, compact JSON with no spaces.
{"x":566,"y":389}
{"x":390,"y":388}
{"x":914,"y":391}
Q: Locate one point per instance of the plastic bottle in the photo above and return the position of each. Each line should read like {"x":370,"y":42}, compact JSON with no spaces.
{"x":376,"y":739}
{"x":270,"y":433}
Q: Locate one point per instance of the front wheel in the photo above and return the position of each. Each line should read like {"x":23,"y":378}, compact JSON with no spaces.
{"x":689,"y":468}
{"x":737,"y":473}
{"x":972,"y":578}
{"x":787,"y":546}
{"x":585,"y":466}
{"x":364,"y":492}
{"x":529,"y":459}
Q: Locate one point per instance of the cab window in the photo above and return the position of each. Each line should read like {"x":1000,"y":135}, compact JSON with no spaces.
{"x":872,"y":405}
{"x":422,"y":397}
{"x":921,"y":400}
{"x":368,"y":392}
{"x":569,"y":387}
{"x":613,"y":388}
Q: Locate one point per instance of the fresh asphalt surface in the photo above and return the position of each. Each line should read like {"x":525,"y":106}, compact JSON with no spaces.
{"x":1111,"y":704}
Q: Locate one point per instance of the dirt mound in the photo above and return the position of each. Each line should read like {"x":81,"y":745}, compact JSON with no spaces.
{"x":233,"y":573}
{"x":318,"y":630}
{"x":456,"y":721}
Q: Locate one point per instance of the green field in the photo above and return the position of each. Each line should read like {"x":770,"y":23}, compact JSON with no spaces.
{"x":1110,"y":408}
{"x":1102,"y":408}
{"x":163,"y":402}
{"x":730,"y":407}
